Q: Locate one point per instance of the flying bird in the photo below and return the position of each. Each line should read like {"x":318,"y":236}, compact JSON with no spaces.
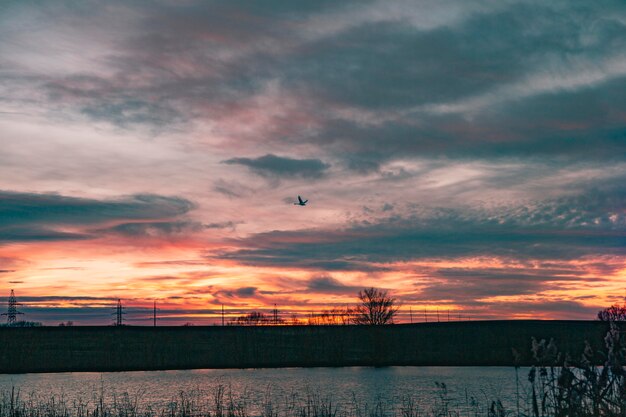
{"x":300,"y":202}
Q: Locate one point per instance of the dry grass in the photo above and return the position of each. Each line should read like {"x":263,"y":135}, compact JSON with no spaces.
{"x":221,"y":403}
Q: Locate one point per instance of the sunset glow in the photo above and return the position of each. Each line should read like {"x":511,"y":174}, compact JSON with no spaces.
{"x":468,"y":157}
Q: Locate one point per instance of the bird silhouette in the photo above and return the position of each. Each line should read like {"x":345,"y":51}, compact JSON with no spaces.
{"x":300,"y":202}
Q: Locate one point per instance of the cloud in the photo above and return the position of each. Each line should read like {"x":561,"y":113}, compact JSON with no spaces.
{"x":245,"y":291}
{"x":38,"y":234}
{"x":8,"y":262}
{"x":477,"y":110}
{"x":455,"y":79}
{"x":566,"y":228}
{"x":17,"y":208}
{"x":45,"y":217}
{"x":554,"y":308}
{"x":156,"y":229}
{"x":175,"y":228}
{"x":222,"y":225}
{"x":328,"y":284}
{"x":458,"y":285}
{"x":170,"y":263}
{"x":62,"y":298}
{"x":242,"y":292}
{"x":282,"y":167}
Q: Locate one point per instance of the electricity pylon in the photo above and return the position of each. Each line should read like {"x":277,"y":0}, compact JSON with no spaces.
{"x":12,"y":310}
{"x":119,"y":313}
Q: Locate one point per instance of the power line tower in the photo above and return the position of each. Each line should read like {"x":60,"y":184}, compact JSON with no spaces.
{"x":275,"y":313}
{"x":12,"y":310}
{"x":119,"y":313}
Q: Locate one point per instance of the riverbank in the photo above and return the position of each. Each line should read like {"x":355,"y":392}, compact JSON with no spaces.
{"x":479,"y":343}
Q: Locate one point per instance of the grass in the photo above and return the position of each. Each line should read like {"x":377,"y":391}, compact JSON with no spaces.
{"x":222,"y":403}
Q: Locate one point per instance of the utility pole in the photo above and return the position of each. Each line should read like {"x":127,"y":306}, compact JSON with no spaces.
{"x":119,"y":313}
{"x":222,"y":315}
{"x":12,"y":310}
{"x":275,"y":315}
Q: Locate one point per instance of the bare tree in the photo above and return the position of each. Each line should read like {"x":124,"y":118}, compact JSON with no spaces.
{"x":255,"y":318}
{"x":613,"y":313}
{"x":375,"y":307}
{"x":334,"y":317}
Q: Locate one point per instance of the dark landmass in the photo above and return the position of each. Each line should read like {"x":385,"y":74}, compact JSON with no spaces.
{"x":478,"y":343}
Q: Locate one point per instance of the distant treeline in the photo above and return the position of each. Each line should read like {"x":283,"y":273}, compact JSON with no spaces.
{"x":75,"y":348}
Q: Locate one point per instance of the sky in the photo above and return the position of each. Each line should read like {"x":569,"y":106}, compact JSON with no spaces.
{"x":466,"y":156}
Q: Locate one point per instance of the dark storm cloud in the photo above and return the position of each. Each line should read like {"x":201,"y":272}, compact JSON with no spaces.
{"x":276,"y":166}
{"x":566,"y":228}
{"x":35,"y":217}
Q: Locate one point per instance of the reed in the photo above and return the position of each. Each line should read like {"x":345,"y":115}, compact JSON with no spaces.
{"x":562,"y":386}
{"x":222,"y":403}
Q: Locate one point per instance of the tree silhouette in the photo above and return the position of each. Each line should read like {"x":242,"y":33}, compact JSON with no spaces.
{"x":375,"y":307}
{"x":333,"y":317}
{"x":613,"y":313}
{"x":255,"y":318}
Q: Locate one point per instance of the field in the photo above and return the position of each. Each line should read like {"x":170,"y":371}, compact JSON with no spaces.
{"x":486,"y":343}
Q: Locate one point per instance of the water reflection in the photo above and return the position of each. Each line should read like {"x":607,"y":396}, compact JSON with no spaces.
{"x":345,"y":387}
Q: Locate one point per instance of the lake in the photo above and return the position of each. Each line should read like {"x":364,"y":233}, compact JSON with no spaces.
{"x":347,"y":388}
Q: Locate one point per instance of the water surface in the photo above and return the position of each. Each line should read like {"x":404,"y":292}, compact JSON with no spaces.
{"x":345,"y":387}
